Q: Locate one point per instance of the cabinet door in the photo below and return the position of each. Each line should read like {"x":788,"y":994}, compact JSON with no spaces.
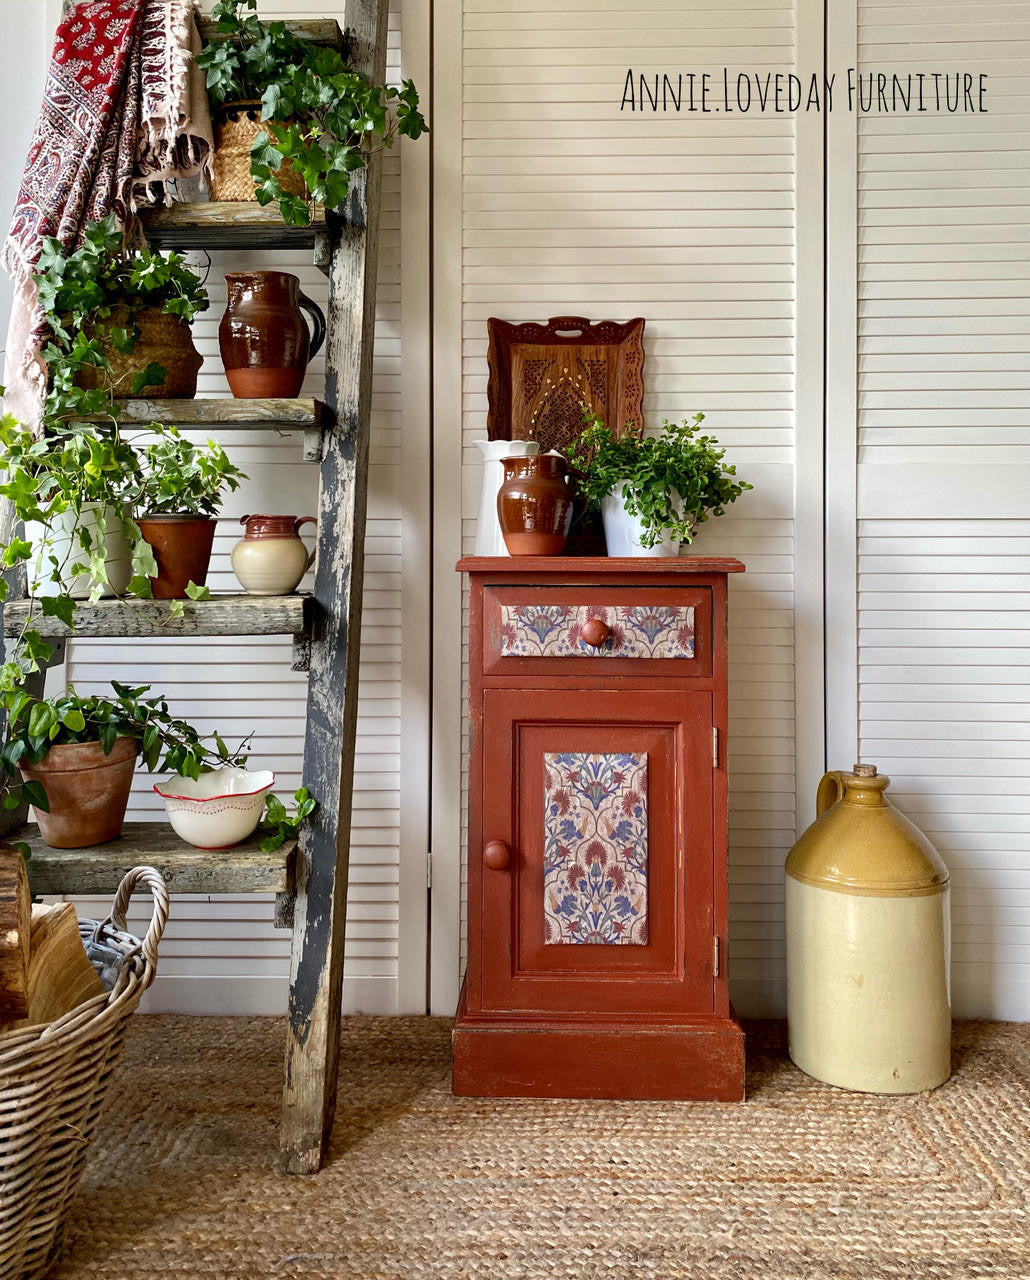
{"x":605,"y":801}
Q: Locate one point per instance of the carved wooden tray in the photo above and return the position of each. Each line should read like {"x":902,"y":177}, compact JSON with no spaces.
{"x":540,"y":375}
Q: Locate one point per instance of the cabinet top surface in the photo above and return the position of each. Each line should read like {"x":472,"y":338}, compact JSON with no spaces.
{"x":610,"y":566}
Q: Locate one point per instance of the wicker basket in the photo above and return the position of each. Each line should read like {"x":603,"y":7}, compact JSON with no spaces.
{"x":53,"y":1079}
{"x":164,"y":339}
{"x":236,"y":126}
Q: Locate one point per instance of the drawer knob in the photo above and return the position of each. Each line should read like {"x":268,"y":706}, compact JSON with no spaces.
{"x":496,"y":855}
{"x":595,"y":632}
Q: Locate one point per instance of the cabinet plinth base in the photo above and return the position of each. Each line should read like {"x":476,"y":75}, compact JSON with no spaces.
{"x":701,"y":1060}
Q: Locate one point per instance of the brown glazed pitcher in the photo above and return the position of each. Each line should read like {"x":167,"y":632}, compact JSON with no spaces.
{"x":263,"y":337}
{"x":534,"y":505}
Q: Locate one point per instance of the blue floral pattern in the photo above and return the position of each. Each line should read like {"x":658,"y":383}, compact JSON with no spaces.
{"x":637,"y":631}
{"x":595,"y":848}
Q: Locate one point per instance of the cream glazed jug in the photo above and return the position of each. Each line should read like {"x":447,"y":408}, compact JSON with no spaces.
{"x":868,"y":943}
{"x":489,"y":538}
{"x":270,"y":559}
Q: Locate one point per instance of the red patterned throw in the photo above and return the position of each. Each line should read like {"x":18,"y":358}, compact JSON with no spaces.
{"x":123,"y":112}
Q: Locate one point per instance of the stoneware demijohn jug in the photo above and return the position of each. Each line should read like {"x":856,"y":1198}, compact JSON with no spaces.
{"x":263,"y":337}
{"x":489,"y":538}
{"x":270,"y":558}
{"x":868,"y":944}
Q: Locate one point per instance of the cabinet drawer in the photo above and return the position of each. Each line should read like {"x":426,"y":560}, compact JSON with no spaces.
{"x":569,"y":630}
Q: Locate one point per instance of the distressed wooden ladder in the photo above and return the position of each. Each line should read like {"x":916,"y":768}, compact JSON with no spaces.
{"x":310,"y":879}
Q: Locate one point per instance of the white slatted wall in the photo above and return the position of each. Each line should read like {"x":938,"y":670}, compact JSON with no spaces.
{"x":571,"y":207}
{"x":223,"y":955}
{"x":944,"y":474}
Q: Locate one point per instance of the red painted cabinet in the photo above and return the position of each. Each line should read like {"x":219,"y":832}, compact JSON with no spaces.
{"x":597,"y":832}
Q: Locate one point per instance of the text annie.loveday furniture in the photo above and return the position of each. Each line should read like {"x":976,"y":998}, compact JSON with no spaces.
{"x":309,"y":878}
{"x":597,"y":897}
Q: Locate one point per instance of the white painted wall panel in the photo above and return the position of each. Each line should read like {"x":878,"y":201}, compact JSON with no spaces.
{"x":944,"y":531}
{"x":223,"y":955}
{"x":570,"y":206}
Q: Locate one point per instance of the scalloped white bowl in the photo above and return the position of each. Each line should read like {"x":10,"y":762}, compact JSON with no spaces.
{"x":218,"y":809}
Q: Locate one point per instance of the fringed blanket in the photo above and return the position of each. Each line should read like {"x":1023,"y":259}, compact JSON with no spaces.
{"x":123,"y":112}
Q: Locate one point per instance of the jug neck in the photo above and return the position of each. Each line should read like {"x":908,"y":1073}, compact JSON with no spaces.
{"x":496,"y":450}
{"x":862,"y":786}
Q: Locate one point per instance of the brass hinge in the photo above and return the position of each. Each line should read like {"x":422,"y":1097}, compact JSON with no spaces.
{"x":716,"y":957}
{"x":715,"y":748}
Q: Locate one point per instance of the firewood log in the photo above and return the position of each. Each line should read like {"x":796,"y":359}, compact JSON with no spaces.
{"x":15,"y":928}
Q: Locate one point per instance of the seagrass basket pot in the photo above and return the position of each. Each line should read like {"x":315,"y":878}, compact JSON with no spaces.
{"x":53,"y":1078}
{"x":165,"y":340}
{"x":237,"y":124}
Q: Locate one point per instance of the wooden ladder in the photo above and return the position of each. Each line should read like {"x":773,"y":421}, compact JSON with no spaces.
{"x":310,"y":879}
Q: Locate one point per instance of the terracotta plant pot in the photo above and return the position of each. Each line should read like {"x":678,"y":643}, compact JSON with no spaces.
{"x":164,"y":340}
{"x":263,"y":337}
{"x":88,"y":792}
{"x":534,"y":505}
{"x":182,"y":549}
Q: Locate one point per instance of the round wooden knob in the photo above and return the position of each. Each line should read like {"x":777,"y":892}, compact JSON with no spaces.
{"x":595,"y":632}
{"x":496,"y":855}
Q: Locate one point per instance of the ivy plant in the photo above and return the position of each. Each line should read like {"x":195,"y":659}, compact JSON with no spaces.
{"x":673,"y":481}
{"x":321,"y":116}
{"x":90,"y":297}
{"x":183,"y":478}
{"x":279,"y":825}
{"x":34,"y":725}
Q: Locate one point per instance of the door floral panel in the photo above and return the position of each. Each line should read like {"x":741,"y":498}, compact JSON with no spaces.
{"x":595,"y":848}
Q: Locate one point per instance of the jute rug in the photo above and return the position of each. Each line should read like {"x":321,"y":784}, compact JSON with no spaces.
{"x":802,"y":1182}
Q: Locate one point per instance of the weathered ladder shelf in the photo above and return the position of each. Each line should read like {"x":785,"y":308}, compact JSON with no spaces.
{"x":327,"y":626}
{"x":99,"y":870}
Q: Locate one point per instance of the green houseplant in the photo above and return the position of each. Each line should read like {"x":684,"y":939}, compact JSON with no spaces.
{"x":75,"y":757}
{"x":183,"y":484}
{"x":653,"y":491}
{"x":305,"y":118}
{"x":119,"y":321}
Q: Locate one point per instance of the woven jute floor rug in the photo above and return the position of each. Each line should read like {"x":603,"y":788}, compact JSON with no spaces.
{"x":801,"y":1182}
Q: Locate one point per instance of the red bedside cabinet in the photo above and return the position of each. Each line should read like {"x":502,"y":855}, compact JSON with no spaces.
{"x":597,"y":832}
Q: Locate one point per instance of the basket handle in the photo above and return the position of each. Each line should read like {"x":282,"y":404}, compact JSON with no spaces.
{"x":159,"y":890}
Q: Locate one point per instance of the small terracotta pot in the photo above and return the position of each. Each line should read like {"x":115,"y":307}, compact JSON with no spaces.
{"x":88,"y":792}
{"x":270,"y":558}
{"x":534,"y":505}
{"x":182,"y":549}
{"x":263,"y":337}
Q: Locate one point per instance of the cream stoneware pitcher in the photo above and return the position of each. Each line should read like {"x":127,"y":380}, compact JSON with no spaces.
{"x":270,"y":558}
{"x":868,"y":943}
{"x":489,"y":538}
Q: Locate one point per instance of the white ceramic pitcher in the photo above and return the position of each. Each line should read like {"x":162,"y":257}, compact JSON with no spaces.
{"x":489,"y":539}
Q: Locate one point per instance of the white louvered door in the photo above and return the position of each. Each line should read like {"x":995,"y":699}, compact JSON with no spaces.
{"x":565,"y":205}
{"x":941,"y":335}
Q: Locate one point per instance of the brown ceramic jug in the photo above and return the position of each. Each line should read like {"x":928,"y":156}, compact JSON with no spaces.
{"x":534,"y":505}
{"x":263,"y":337}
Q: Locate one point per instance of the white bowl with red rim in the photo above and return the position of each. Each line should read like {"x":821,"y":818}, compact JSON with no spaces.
{"x":218,"y":809}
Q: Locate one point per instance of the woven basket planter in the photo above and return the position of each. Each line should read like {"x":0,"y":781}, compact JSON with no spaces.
{"x":237,"y":124}
{"x":53,"y":1079}
{"x":164,"y":339}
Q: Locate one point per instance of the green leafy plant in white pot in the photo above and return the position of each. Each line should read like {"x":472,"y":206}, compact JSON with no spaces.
{"x":654,"y":492}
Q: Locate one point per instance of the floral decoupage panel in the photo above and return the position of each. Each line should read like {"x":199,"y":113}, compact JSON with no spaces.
{"x":595,"y":848}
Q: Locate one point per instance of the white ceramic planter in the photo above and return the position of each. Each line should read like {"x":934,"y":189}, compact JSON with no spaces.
{"x":117,"y":557}
{"x":622,"y":532}
{"x":218,"y":809}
